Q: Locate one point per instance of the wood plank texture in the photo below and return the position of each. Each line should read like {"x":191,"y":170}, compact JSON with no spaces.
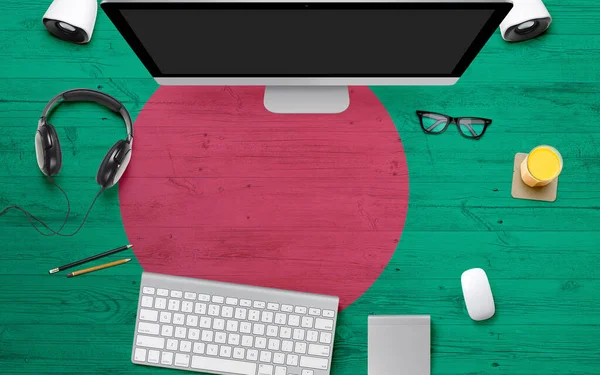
{"x":542,"y":258}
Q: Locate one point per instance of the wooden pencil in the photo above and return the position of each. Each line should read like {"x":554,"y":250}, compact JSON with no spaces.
{"x":100,"y":267}
{"x":89,"y":259}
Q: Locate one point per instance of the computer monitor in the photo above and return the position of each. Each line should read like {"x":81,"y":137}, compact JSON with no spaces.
{"x":306,"y":53}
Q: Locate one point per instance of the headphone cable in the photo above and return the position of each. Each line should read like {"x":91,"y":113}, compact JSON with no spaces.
{"x":31,"y":218}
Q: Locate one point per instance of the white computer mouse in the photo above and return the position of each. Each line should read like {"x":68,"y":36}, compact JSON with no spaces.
{"x":478,"y":294}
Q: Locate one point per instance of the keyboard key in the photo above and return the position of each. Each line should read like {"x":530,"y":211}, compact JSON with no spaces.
{"x":313,"y":311}
{"x":199,"y":347}
{"x":220,"y":337}
{"x":280,"y":318}
{"x":189,"y":295}
{"x":254,"y":315}
{"x":318,"y":350}
{"x":247,"y":340}
{"x":172,"y":344}
{"x":147,"y":301}
{"x":287,"y":308}
{"x":245,"y":327}
{"x":267,"y":317}
{"x":272,"y":331}
{"x":312,"y":362}
{"x":279,"y":358}
{"x":220,"y":365}
{"x":212,"y":349}
{"x":148,"y":328}
{"x":178,"y":318}
{"x":213,"y":310}
{"x":191,"y":320}
{"x":162,"y":292}
{"x":259,"y":304}
{"x":326,"y":324}
{"x":294,"y":320}
{"x":285,"y":333}
{"x":325,"y":338}
{"x":273,"y":344}
{"x":298,"y":334}
{"x":287,"y":346}
{"x":150,"y":342}
{"x":166,"y":331}
{"x":307,"y":372}
{"x":187,"y":306}
{"x":265,"y":356}
{"x":260,"y":343}
{"x":307,"y":322}
{"x":225,"y":351}
{"x":232,"y":326}
{"x":182,"y":360}
{"x":227,"y":312}
{"x":312,"y":336}
{"x":140,"y":355}
{"x":165,"y":317}
{"x":160,"y":303}
{"x":173,"y":304}
{"x":200,"y":308}
{"x":218,"y":299}
{"x":185,"y":346}
{"x":252,"y":354}
{"x":300,"y":310}
{"x":153,"y":356}
{"x":238,"y":353}
{"x":218,"y":324}
{"x":300,"y":348}
{"x":292,"y":360}
{"x":258,"y":329}
{"x":245,"y":303}
{"x":148,"y":315}
{"x":180,"y":332}
{"x":205,"y":322}
{"x":328,"y":313}
{"x":231,"y":301}
{"x":203,"y":297}
{"x":265,"y":369}
{"x":193,"y":334}
{"x":272,"y":306}
{"x":166,"y":358}
{"x":233,"y":339}
{"x":207,"y":335}
{"x":148,"y":290}
{"x":240,"y":313}
{"x":176,"y":293}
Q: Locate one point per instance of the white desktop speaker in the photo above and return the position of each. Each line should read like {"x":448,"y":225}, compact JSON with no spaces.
{"x":527,"y":20}
{"x":72,"y":20}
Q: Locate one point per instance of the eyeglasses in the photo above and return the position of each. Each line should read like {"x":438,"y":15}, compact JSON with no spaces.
{"x":469,"y":127}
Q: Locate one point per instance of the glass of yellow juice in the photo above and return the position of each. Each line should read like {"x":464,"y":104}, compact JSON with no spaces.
{"x":541,"y":166}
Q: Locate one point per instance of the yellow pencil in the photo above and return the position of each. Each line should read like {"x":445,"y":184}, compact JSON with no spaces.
{"x":100,"y":267}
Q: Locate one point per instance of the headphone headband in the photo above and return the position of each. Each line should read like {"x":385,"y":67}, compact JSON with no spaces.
{"x":87,"y":95}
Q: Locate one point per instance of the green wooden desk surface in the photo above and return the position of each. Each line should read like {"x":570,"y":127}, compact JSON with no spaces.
{"x":545,"y":257}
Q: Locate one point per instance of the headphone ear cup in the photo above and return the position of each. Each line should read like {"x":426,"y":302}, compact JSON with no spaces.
{"x":114,"y":164}
{"x":47,"y":150}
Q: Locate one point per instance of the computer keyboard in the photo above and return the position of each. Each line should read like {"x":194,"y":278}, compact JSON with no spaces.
{"x":231,"y":329}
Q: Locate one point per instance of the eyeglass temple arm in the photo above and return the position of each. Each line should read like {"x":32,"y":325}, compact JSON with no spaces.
{"x":440,"y":119}
{"x":470,"y":129}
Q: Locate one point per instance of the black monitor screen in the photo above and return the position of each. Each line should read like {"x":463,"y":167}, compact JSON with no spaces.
{"x":194,"y":40}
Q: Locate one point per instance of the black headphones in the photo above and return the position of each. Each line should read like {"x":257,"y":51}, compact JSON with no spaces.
{"x":47,"y":146}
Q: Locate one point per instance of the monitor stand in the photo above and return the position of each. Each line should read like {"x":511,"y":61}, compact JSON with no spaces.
{"x":306,"y":99}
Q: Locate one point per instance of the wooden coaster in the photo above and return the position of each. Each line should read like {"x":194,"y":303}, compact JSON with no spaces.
{"x":521,"y":191}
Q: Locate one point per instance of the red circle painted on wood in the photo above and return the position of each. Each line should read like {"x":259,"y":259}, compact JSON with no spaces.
{"x":221,"y":189}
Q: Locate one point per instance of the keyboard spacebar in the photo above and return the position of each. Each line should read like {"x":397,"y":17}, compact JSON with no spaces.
{"x":223,"y":365}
